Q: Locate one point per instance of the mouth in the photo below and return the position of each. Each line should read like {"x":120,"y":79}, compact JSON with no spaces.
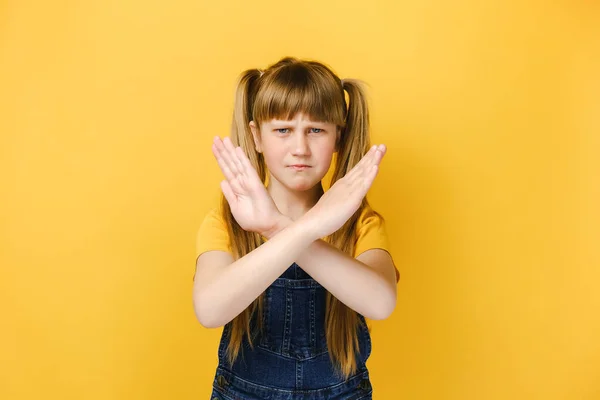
{"x":299,"y":167}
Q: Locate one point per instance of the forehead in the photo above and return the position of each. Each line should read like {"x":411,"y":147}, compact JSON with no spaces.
{"x":298,"y":118}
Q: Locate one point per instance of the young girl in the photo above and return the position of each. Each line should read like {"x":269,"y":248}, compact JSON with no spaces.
{"x":289,"y":270}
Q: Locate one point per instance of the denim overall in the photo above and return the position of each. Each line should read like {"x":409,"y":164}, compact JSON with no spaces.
{"x":290,"y":360}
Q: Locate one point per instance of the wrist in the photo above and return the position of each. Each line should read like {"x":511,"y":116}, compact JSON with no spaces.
{"x":281,"y":222}
{"x":309,"y":226}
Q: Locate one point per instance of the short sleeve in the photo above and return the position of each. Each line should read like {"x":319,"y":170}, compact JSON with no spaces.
{"x":371,"y":234}
{"x":212,"y":234}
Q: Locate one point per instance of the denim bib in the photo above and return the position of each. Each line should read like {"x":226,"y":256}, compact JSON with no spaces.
{"x":290,"y":360}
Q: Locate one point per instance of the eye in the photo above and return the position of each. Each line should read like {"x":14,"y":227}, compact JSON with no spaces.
{"x":279,"y":130}
{"x":318,"y":130}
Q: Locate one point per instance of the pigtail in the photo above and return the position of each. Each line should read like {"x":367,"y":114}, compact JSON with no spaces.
{"x":341,"y":321}
{"x":354,"y":139}
{"x":245,"y":94}
{"x":245,"y":242}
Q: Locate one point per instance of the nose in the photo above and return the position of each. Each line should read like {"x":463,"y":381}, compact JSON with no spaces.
{"x":300,"y":145}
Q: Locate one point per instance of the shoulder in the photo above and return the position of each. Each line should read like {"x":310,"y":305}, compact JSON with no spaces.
{"x":370,"y":221}
{"x":213,"y":220}
{"x":371,"y":234}
{"x":212,"y":233}
{"x":214,"y":214}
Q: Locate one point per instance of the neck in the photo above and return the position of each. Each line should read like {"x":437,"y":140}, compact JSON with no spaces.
{"x":291,"y":203}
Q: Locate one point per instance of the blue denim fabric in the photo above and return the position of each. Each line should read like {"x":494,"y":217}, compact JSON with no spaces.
{"x":290,"y":360}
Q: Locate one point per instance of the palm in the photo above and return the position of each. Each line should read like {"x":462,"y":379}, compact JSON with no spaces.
{"x":342,"y":200}
{"x":251,"y":205}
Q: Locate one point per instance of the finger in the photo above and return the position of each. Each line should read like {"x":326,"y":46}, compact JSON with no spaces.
{"x":370,"y":177}
{"x":363,"y":185}
{"x":381,"y":152}
{"x":375,"y":159}
{"x":222,"y":164}
{"x":231,"y":173}
{"x":249,"y":170}
{"x":220,"y":148}
{"x":366,"y":175}
{"x":358,"y":169}
{"x":232,"y":154}
{"x":224,"y":153}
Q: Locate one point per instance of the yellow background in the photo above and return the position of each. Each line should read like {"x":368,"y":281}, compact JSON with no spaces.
{"x":491,"y":188}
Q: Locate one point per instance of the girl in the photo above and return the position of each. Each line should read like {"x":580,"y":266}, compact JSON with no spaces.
{"x":289,"y":270}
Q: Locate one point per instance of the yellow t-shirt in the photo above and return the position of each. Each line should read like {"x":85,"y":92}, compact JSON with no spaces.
{"x":371,"y":234}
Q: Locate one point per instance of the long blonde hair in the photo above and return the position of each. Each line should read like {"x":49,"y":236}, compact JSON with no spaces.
{"x":281,"y":91}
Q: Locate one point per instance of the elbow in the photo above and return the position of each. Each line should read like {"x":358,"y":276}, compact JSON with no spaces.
{"x":384,"y":309}
{"x":207,"y":322}
{"x":205,"y":314}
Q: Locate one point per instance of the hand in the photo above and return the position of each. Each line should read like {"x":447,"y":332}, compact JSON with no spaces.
{"x":342,"y":200}
{"x":250,"y":203}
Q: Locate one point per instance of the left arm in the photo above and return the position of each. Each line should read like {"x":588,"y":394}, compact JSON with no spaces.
{"x":367,"y":283}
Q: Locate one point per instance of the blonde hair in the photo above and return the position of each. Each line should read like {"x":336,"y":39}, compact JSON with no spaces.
{"x":281,"y":91}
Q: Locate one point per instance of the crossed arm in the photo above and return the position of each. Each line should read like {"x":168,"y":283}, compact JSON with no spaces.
{"x":367,"y":283}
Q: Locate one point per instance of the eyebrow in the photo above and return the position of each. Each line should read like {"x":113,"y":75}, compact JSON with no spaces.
{"x":283,"y":122}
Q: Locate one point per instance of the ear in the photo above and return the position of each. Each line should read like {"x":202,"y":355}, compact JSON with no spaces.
{"x":256,"y":136}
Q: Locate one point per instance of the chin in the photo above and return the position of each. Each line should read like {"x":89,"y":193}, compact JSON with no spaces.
{"x":302,"y":186}
{"x":298,"y":184}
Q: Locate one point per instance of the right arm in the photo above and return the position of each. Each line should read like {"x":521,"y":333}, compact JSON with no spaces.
{"x":223,"y":288}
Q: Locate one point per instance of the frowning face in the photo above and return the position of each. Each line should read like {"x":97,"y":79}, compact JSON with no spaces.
{"x":297,"y":152}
